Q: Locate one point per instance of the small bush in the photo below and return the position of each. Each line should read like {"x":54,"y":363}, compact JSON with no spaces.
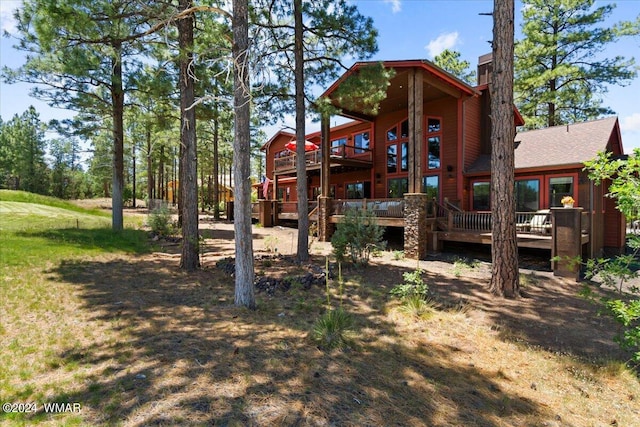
{"x":160,"y":221}
{"x":333,"y":330}
{"x":413,"y":286}
{"x":357,"y":236}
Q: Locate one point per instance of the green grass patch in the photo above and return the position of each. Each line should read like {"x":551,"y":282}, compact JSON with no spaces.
{"x":37,"y":199}
{"x":35,"y":229}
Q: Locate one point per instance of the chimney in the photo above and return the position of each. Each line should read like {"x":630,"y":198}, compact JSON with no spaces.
{"x":485,"y":68}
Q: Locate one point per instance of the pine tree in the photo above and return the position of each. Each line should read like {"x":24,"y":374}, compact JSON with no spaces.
{"x":449,"y":60}
{"x":561,"y":74}
{"x":305,"y":43}
{"x":244,"y":275}
{"x":504,"y":244}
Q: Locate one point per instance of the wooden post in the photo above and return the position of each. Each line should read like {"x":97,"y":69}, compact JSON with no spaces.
{"x":325,"y":159}
{"x":566,"y":242}
{"x":325,"y":227}
{"x":415,"y":95}
{"x":266,"y":215}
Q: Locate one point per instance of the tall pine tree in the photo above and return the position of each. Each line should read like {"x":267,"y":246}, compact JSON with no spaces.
{"x":561,"y":70}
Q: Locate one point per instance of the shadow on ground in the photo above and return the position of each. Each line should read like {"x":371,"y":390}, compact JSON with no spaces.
{"x":177,"y":352}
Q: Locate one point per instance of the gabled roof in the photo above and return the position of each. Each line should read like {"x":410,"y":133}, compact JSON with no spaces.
{"x":443,"y":81}
{"x":566,"y":145}
{"x":276,"y":136}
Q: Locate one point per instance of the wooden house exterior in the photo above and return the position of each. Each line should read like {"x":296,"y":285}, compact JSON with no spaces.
{"x":431,"y":135}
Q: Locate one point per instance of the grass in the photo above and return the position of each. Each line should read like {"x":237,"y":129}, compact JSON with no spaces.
{"x":135,"y":341}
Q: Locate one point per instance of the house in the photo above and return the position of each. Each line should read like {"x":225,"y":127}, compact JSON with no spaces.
{"x":428,"y":143}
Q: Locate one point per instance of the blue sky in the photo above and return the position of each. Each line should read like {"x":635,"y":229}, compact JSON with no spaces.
{"x":408,"y":29}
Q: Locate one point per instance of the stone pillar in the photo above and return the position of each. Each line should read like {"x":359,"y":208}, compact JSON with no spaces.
{"x":415,"y":225}
{"x":325,"y":227}
{"x":567,"y":241}
{"x":266,"y":213}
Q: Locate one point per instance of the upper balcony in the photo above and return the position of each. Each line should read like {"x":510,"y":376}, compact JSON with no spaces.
{"x":342,"y":155}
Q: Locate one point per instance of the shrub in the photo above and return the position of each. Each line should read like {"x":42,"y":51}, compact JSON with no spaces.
{"x":413,"y":286}
{"x":617,"y":272}
{"x":357,"y":236}
{"x":333,"y":329}
{"x":160,"y":221}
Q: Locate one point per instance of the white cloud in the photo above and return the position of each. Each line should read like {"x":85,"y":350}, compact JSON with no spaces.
{"x":442,"y":42}
{"x":7,"y":23}
{"x":396,"y":5}
{"x":631,"y":123}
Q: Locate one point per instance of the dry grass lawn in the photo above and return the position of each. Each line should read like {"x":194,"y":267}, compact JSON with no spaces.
{"x":137,"y":342}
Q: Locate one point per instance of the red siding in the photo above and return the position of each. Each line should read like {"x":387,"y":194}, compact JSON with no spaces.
{"x":471,"y":130}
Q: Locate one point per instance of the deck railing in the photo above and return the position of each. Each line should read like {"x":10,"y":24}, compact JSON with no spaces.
{"x":385,"y":208}
{"x":314,"y":157}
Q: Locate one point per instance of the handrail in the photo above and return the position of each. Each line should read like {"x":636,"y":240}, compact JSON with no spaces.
{"x":451,"y":206}
{"x":314,"y":157}
{"x":388,"y":208}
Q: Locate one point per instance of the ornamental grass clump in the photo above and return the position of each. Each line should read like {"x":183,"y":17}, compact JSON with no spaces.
{"x":334,"y":329}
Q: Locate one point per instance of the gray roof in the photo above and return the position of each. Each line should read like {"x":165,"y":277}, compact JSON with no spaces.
{"x":557,"y":146}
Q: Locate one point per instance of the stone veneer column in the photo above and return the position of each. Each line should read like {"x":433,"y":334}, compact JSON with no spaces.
{"x":567,"y":241}
{"x":415,"y":225}
{"x":325,"y":227}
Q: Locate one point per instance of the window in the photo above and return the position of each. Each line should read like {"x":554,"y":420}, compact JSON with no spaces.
{"x":358,"y":190}
{"x":527,"y":195}
{"x":337,"y":146}
{"x":433,"y":125}
{"x":434,"y":136}
{"x":361,"y":142}
{"x":392,"y":158}
{"x":434,"y":152}
{"x":481,"y":196}
{"x":404,"y":129}
{"x":392,"y":134}
{"x":558,"y":188}
{"x":430,"y":186}
{"x":397,"y":187}
{"x":284,"y":194}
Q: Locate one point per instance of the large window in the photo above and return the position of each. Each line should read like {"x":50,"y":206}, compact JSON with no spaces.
{"x":397,"y":187}
{"x":527,"y":195}
{"x":430,"y":186}
{"x":481,"y":196}
{"x":361,"y":142}
{"x":434,"y":136}
{"x":392,"y":157}
{"x":358,"y":190}
{"x":558,"y":188}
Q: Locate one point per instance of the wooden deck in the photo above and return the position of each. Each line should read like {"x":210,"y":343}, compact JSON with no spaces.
{"x":444,"y":224}
{"x":524,"y":240}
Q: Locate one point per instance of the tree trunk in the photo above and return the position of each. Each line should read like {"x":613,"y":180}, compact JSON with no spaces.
{"x":188,"y":161}
{"x":133,"y":182}
{"x":117,"y":100}
{"x":504,"y":249}
{"x":216,"y":183}
{"x":301,"y":167}
{"x":150,"y":175}
{"x":244,"y":292}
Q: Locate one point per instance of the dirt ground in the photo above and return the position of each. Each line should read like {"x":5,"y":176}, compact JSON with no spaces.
{"x":169,"y":348}
{"x":545,"y":315}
